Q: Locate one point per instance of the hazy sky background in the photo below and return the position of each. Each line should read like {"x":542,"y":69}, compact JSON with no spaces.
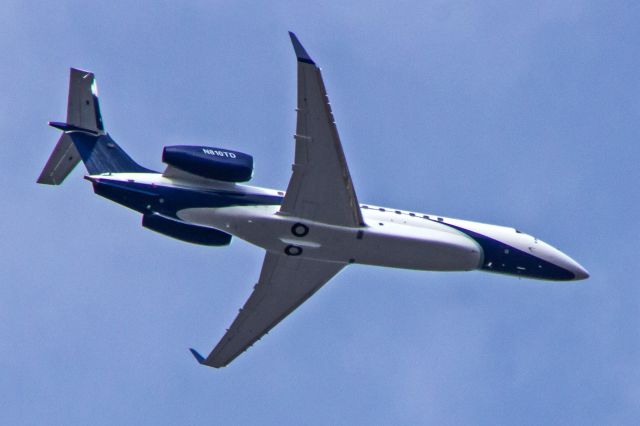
{"x":523,"y":114}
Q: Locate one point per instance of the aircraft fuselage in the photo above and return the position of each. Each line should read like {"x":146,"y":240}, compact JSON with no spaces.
{"x":391,"y":238}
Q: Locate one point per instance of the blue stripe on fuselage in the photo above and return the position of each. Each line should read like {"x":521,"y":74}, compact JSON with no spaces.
{"x":505,"y":259}
{"x":167,"y":200}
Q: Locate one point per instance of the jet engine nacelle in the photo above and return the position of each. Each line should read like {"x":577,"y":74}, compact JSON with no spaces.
{"x":190,"y":233}
{"x":211,"y":163}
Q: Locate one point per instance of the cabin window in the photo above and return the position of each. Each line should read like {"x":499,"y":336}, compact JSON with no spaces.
{"x":412,"y":214}
{"x":381,"y":209}
{"x":398,"y":212}
{"x":440,"y":219}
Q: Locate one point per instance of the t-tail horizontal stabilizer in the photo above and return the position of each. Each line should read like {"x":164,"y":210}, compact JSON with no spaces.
{"x":84,"y":137}
{"x":83,"y":111}
{"x":69,"y":128}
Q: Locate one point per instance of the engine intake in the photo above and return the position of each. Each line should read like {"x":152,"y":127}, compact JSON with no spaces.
{"x":210,"y":163}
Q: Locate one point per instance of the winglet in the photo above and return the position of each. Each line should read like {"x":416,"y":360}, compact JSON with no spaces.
{"x":302,"y":54}
{"x":197,"y":356}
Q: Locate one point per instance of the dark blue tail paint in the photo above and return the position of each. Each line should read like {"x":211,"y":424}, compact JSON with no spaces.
{"x":197,"y":356}
{"x":99,"y":153}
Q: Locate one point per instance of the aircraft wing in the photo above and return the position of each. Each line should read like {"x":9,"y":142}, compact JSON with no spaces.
{"x":320,"y":188}
{"x":285,"y":283}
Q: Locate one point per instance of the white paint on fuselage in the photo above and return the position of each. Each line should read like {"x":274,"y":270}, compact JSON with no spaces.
{"x":393,"y":238}
{"x":431,"y":246}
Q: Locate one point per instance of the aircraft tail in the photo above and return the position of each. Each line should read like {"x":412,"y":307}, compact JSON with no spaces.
{"x":84,"y":137}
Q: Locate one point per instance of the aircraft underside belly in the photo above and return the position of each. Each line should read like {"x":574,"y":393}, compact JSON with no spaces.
{"x":391,"y":245}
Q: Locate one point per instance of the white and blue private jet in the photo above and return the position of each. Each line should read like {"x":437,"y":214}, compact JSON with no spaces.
{"x":310,"y":232}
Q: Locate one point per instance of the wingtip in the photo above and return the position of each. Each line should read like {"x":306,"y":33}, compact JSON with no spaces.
{"x":301,"y":53}
{"x":197,"y":356}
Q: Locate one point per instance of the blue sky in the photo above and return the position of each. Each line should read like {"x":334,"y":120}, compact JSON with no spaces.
{"x":511,"y":113}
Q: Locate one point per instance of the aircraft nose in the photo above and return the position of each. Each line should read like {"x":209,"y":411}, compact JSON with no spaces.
{"x":579,"y":272}
{"x":573,"y":267}
{"x":573,"y":271}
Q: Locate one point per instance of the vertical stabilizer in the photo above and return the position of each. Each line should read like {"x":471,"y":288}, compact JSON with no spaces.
{"x":83,"y":111}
